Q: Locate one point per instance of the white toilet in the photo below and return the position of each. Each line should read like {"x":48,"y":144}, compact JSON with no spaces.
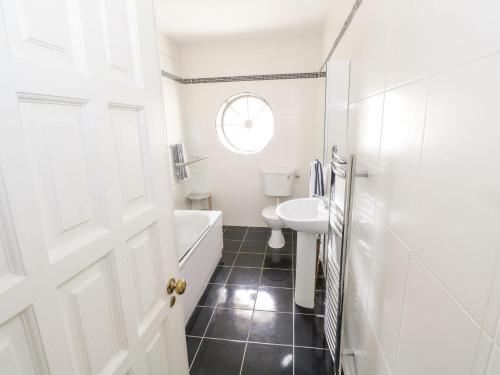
{"x":278,"y":182}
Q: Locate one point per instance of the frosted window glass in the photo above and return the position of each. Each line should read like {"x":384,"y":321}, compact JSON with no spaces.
{"x":245,"y":123}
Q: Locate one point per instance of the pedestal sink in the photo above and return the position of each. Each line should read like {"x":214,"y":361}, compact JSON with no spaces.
{"x":309,"y":217}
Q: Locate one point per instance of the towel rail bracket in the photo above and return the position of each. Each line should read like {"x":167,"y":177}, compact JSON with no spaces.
{"x":196,"y":159}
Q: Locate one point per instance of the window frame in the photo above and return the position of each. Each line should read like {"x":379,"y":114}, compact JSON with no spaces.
{"x":219,"y":122}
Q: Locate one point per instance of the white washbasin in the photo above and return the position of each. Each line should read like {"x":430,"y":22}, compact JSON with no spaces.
{"x":306,"y":215}
{"x":309,"y":217}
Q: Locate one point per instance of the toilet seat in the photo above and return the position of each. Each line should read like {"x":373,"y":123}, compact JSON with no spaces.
{"x":271,"y":218}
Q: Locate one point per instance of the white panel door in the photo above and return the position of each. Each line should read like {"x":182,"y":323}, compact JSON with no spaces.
{"x":86,"y":219}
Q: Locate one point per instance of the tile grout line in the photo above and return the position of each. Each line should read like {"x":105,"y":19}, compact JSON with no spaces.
{"x":272,"y":311}
{"x":253,"y":252}
{"x":258,"y":342}
{"x":264,"y":286}
{"x":253,"y":311}
{"x":258,"y":268}
{"x":214,"y":308}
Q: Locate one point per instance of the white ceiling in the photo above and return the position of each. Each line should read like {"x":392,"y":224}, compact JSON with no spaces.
{"x":210,"y":20}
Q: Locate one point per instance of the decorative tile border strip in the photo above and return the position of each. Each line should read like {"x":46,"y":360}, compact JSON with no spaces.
{"x":255,"y":77}
{"x":342,"y":31}
{"x":171,"y":76}
{"x":269,"y":77}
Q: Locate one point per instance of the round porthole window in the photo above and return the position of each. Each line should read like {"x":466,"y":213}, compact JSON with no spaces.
{"x":245,"y":123}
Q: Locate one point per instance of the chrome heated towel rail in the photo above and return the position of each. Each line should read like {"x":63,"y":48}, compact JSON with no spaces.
{"x":337,"y":260}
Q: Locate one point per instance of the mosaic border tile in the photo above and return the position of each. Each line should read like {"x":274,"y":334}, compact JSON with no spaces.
{"x":254,"y":77}
{"x":269,"y":77}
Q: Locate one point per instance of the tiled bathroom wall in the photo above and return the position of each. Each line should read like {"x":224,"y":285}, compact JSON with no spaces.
{"x":171,"y":61}
{"x":297,"y":104}
{"x":424,"y":120}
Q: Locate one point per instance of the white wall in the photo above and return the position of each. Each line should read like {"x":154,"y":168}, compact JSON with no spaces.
{"x":233,"y":179}
{"x":171,"y":61}
{"x":336,"y":107}
{"x":335,"y":18}
{"x":424,"y":119}
{"x":252,"y":56}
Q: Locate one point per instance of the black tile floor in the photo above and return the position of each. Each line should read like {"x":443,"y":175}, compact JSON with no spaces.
{"x":246,"y":322}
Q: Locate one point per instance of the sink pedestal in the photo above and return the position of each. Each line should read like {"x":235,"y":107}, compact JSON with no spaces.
{"x":306,"y":269}
{"x":309,"y":217}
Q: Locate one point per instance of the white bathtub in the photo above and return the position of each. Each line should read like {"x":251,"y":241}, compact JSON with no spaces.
{"x":199,"y":249}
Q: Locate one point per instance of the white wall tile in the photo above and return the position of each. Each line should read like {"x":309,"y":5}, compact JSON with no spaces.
{"x":482,"y":355}
{"x":364,"y":127}
{"x":394,"y":41}
{"x":257,"y":56}
{"x":387,"y":289}
{"x":367,"y":37}
{"x":427,"y":36}
{"x":437,"y":337}
{"x":447,"y":213}
{"x":370,"y":358}
{"x":494,"y":367}
{"x":458,"y":205}
{"x":356,"y":318}
{"x":235,"y":180}
{"x":336,"y":106}
{"x":361,"y":255}
{"x":497,"y":336}
{"x":365,"y":122}
{"x":401,"y":142}
{"x":493,"y":310}
{"x":334,"y":21}
{"x":172,"y":99}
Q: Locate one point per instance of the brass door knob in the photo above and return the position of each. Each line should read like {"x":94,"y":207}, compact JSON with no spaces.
{"x":171,"y":286}
{"x":178,"y":286}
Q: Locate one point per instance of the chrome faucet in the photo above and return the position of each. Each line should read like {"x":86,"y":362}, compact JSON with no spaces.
{"x":324,"y":200}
